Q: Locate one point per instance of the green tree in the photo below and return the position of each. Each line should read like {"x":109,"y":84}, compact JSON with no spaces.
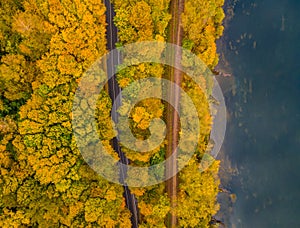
{"x":197,"y":195}
{"x":17,"y":74}
{"x":202,"y":25}
{"x":44,"y":180}
{"x":9,"y":39}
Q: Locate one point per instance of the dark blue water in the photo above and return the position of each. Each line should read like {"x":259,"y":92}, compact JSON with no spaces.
{"x":261,"y":46}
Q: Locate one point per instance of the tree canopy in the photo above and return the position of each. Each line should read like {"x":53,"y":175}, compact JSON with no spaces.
{"x":45,"y":48}
{"x":44,"y":180}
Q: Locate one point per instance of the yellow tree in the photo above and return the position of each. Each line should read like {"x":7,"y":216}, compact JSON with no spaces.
{"x":9,"y":39}
{"x":202,"y":25}
{"x":141,"y":21}
{"x":44,"y":179}
{"x":26,"y":37}
{"x":197,"y":195}
{"x":198,"y":188}
{"x":17,"y":74}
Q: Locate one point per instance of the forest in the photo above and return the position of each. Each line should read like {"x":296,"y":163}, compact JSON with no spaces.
{"x":45,"y":47}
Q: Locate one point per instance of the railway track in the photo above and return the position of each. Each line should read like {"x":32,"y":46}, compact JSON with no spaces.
{"x":173,"y":122}
{"x":173,"y":125}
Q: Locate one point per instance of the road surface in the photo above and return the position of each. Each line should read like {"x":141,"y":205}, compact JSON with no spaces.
{"x":114,"y":91}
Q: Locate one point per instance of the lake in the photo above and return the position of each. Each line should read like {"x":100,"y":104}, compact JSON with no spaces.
{"x":261,"y":49}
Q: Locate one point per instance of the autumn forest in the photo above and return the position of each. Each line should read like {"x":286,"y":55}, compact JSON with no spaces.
{"x":45,"y":47}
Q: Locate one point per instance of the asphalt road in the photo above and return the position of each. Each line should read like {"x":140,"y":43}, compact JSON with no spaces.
{"x":114,"y":91}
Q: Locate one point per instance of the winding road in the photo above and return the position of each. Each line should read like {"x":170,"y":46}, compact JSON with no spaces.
{"x":114,"y":90}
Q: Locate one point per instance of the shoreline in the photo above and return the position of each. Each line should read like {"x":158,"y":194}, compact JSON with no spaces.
{"x":228,"y":171}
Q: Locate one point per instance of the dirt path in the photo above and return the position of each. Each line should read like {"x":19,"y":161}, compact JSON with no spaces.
{"x":173,"y":124}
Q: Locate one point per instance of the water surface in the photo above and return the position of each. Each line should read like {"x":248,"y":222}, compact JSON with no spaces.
{"x":261,"y":48}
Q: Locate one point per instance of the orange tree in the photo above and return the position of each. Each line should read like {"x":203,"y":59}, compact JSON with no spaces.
{"x":144,"y":21}
{"x":9,"y":39}
{"x":44,"y":180}
{"x":198,"y":180}
{"x":202,"y":25}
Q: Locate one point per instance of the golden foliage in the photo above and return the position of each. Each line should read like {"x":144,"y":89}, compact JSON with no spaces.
{"x":43,"y":176}
{"x":141,"y":21}
{"x":202,"y":25}
{"x":197,"y":195}
{"x":154,"y":205}
{"x":16,"y":74}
